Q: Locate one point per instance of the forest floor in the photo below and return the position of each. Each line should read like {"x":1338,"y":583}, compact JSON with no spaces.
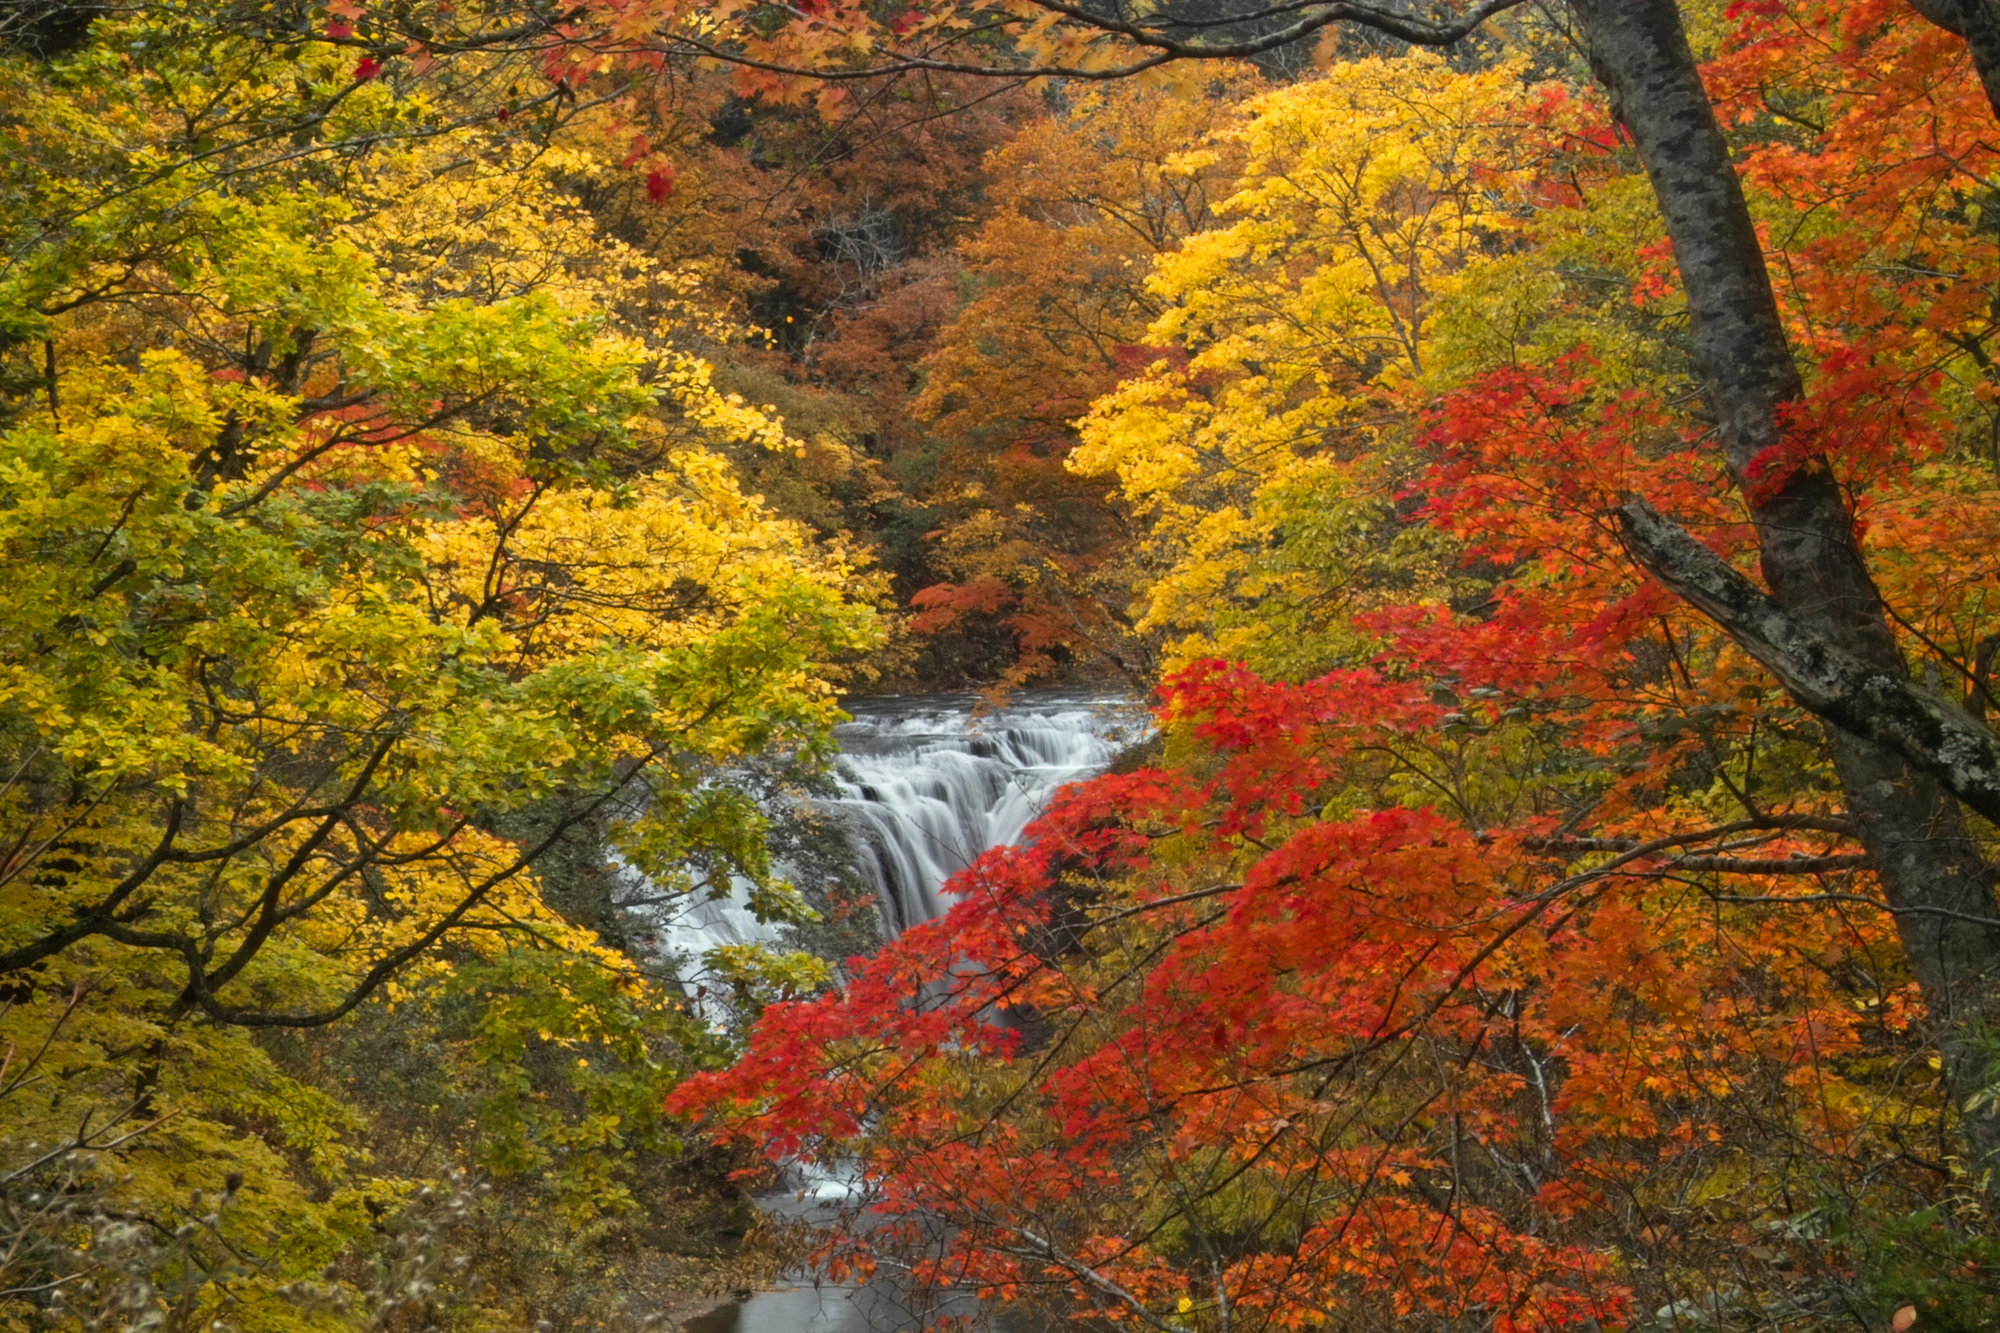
{"x":670,"y":1289}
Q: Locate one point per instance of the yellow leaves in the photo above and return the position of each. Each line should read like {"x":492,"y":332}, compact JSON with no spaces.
{"x":723,"y":418}
{"x":670,"y":558}
{"x":375,"y":536}
{"x":1300,"y":327}
{"x":1154,"y":448}
{"x":327,"y":653}
{"x":1367,"y":171}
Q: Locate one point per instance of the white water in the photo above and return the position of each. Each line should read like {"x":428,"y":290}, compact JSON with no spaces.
{"x":928,"y":787}
{"x":925,"y":785}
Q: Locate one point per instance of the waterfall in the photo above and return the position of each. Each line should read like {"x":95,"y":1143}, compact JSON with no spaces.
{"x":925,"y":784}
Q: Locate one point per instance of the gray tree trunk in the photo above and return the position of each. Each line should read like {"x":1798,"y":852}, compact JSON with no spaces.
{"x":1978,"y":22}
{"x":1935,"y":881}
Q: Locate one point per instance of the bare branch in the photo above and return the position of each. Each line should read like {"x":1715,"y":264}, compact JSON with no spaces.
{"x":1164,"y":49}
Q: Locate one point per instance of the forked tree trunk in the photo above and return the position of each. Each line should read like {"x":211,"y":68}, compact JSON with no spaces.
{"x":1935,"y":881}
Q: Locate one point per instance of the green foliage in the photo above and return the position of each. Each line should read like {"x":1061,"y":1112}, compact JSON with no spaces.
{"x":374,"y":557}
{"x":1948,"y":1268}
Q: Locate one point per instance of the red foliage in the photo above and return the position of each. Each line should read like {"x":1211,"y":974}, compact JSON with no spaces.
{"x":940,"y":606}
{"x":1430,"y":972}
{"x":1896,"y":299}
{"x":1316,"y":975}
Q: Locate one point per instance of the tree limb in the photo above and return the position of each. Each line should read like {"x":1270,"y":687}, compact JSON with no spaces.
{"x":1163,"y":49}
{"x":1859,"y":698}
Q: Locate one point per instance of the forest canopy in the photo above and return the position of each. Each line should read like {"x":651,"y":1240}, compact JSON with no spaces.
{"x":1540,"y":462}
{"x":370,"y":539}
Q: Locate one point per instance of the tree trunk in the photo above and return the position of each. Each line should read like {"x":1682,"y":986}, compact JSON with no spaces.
{"x":1978,"y":22}
{"x":1933,"y":734}
{"x":1932,"y":875}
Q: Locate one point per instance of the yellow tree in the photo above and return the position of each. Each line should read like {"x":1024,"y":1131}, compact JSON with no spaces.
{"x":366,"y":533}
{"x":1263,"y":451}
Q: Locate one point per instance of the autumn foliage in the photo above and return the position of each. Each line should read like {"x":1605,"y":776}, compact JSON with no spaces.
{"x":1488,"y":946}
{"x":445,"y":448}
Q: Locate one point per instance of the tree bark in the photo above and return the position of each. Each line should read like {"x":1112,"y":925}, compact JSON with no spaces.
{"x":1935,"y":882}
{"x":1978,"y":22}
{"x":1936,"y":736}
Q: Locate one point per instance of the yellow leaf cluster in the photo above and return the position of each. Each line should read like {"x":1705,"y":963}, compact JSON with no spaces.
{"x":1262,"y":445}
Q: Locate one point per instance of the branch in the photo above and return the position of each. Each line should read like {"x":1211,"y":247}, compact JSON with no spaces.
{"x":1857,"y":899}
{"x":1389,"y":22}
{"x":1776,"y":865}
{"x":1570,"y":845}
{"x":92,"y":921}
{"x":1164,"y":49}
{"x":203,"y":995}
{"x":1865,"y":701}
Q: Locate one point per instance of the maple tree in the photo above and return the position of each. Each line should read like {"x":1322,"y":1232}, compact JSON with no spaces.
{"x":1271,"y":418}
{"x":1086,"y":199}
{"x":1531,"y":922}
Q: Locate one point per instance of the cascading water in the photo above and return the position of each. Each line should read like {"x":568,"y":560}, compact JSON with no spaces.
{"x":925,"y":784}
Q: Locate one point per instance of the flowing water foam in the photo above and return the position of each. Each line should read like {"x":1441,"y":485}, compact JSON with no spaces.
{"x":924,"y":784}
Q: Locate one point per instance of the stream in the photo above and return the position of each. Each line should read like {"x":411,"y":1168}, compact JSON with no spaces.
{"x":925,"y":784}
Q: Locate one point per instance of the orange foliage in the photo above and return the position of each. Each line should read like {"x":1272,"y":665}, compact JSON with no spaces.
{"x":1086,"y":198}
